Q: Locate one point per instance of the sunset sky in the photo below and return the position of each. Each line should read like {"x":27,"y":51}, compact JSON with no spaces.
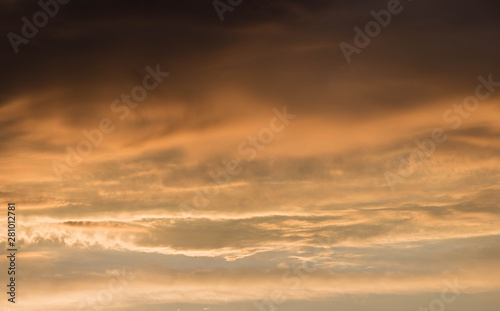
{"x":161,"y":158}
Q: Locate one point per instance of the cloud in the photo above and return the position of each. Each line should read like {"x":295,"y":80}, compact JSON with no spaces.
{"x":321,"y":180}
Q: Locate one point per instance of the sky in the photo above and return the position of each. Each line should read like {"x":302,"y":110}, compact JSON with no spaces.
{"x":251,"y":155}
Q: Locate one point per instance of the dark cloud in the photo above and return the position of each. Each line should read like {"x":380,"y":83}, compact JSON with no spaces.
{"x":95,"y":50}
